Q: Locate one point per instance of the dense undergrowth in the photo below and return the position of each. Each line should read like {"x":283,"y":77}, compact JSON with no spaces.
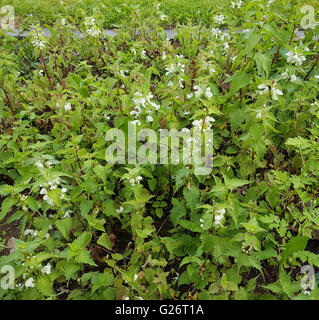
{"x":92,"y":230}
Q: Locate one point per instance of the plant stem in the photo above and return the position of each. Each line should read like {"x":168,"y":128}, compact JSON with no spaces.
{"x":8,"y":99}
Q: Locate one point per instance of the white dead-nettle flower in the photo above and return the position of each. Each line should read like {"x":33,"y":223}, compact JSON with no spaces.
{"x":134,"y":51}
{"x":226,"y":46}
{"x":316,"y":76}
{"x":211,"y":69}
{"x":219,"y":217}
{"x":135,"y":277}
{"x":186,"y":113}
{"x":139,"y":178}
{"x":171,"y":69}
{"x":29,"y":283}
{"x":136,"y":122}
{"x":67,"y":214}
{"x":143,"y":54}
{"x":198,"y":91}
{"x":181,"y":83}
{"x":295,"y":58}
{"x":209,"y":120}
{"x":189,"y":95}
{"x":208,"y":93}
{"x":164,"y":55}
{"x":30,"y":232}
{"x":132,"y":182}
{"x":263,"y":89}
{"x":236,"y":4}
{"x":293,"y":78}
{"x":170,"y":83}
{"x":219,"y":19}
{"x":67,"y":106}
{"x":285,"y":74}
{"x":120,"y":210}
{"x":149,"y":119}
{"x":38,"y":43}
{"x":198,"y":123}
{"x":46,"y":269}
{"x":41,"y":73}
{"x":39,"y":165}
{"x":185,"y":130}
{"x":275,"y":92}
{"x":63,"y":22}
{"x":93,"y":32}
{"x":106,"y":116}
{"x":259,"y":115}
{"x":89,"y":21}
{"x":163,"y":16}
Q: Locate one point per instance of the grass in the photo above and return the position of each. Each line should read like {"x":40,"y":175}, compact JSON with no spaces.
{"x":116,"y":12}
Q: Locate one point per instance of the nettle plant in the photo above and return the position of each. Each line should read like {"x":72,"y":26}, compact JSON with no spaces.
{"x":93,"y":230}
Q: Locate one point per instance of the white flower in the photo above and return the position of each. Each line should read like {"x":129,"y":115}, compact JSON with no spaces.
{"x":197,"y":123}
{"x":198,"y":91}
{"x":63,"y":22}
{"x":295,"y":58}
{"x":189,"y":95}
{"x":185,"y":130}
{"x":170,"y":69}
{"x":285,"y":75}
{"x":135,"y":277}
{"x":275,"y":93}
{"x":316,"y":76}
{"x":139,"y":178}
{"x":67,"y":106}
{"x":293,"y":78}
{"x":181,"y":83}
{"x":259,"y":115}
{"x":43,"y":191}
{"x":39,"y":164}
{"x":263,"y":89}
{"x":67,"y":214}
{"x":149,"y":119}
{"x":38,"y":43}
{"x":219,"y":19}
{"x":208,"y":93}
{"x":132,"y":182}
{"x":46,"y":269}
{"x":41,"y":73}
{"x":236,"y":4}
{"x":208,"y":121}
{"x":93,"y":32}
{"x":163,"y":16}
{"x":30,"y":232}
{"x":136,"y":122}
{"x":64,"y":190}
{"x":164,"y":55}
{"x":29,"y":283}
{"x":119,"y":210}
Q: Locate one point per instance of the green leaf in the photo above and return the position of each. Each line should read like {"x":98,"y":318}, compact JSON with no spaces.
{"x":239,"y":80}
{"x":295,"y":244}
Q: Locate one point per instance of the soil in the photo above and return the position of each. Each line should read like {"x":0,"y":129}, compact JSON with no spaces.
{"x":8,"y":231}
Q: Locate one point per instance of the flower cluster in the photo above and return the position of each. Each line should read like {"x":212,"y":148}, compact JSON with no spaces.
{"x":93,"y":31}
{"x":141,"y":102}
{"x":135,"y":181}
{"x":219,"y":216}
{"x":275,"y":92}
{"x":237,"y":4}
{"x":51,"y":185}
{"x":219,"y":19}
{"x":40,"y":44}
{"x":295,"y":58}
